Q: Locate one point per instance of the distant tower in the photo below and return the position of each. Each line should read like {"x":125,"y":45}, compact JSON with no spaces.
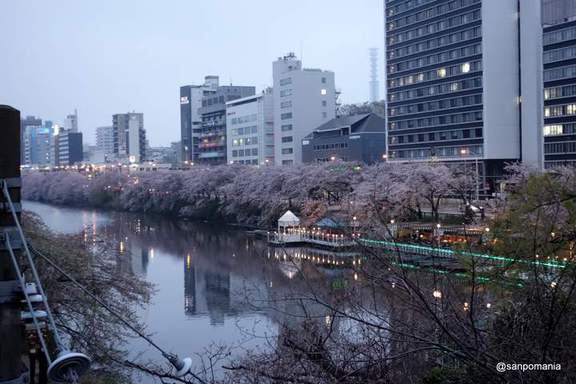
{"x":71,"y":122}
{"x":374,"y":83}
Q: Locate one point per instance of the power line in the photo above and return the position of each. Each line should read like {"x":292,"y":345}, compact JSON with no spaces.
{"x":182,"y":366}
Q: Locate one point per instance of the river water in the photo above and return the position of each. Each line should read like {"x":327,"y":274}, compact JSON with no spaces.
{"x":207,"y":278}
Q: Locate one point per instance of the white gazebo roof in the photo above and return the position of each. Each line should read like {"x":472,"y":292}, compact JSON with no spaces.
{"x":288,"y":219}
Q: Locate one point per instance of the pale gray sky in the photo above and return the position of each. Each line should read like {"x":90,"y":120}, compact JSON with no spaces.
{"x":113,"y":56}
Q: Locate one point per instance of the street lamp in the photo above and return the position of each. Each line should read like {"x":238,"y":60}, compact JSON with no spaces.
{"x":465,"y":152}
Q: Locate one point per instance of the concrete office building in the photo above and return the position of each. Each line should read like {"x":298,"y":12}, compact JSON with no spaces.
{"x":559,"y":39}
{"x":38,"y":145}
{"x":212,"y":134}
{"x":190,"y":119}
{"x":250,"y":130}
{"x":71,"y":122}
{"x":28,"y":127}
{"x":129,"y":137}
{"x":464,"y":82}
{"x":557,"y":11}
{"x":68,"y":148}
{"x":348,"y":138}
{"x":303,"y":100}
{"x":105,"y":140}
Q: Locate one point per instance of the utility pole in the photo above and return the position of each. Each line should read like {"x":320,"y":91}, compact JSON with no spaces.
{"x":12,"y":369}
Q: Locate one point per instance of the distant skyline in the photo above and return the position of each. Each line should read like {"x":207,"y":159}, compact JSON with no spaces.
{"x":110,"y":57}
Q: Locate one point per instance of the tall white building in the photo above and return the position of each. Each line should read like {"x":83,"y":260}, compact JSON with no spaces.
{"x":304,"y":99}
{"x":71,"y":122}
{"x":105,"y":140}
{"x":250,"y":129}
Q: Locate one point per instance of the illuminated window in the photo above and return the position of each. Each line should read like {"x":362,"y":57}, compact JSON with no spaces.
{"x":547,"y":112}
{"x":546,"y":94}
{"x":553,"y":130}
{"x":323,"y":92}
{"x":571,"y":109}
{"x":442,"y":72}
{"x":465,"y":67}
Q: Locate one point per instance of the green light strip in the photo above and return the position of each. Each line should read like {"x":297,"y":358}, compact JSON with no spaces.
{"x":480,"y":279}
{"x":450,"y":252}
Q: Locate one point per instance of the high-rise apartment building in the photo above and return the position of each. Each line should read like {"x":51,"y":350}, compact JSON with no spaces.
{"x":190,"y":119}
{"x":303,"y":100}
{"x":211,"y":135}
{"x":559,"y":59}
{"x":105,"y":140}
{"x":464,"y":82}
{"x":129,"y":136}
{"x":250,"y":130}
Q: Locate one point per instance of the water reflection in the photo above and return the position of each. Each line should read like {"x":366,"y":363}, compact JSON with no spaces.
{"x":232,"y":282}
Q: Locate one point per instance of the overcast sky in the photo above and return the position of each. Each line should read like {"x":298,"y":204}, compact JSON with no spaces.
{"x":113,"y":56}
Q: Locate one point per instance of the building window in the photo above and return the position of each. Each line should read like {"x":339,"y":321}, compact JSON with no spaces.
{"x":465,"y":68}
{"x":286,"y":116}
{"x":285,"y":92}
{"x":287,"y":139}
{"x":287,"y":151}
{"x":286,"y":104}
{"x":287,"y":162}
{"x":441,"y":72}
{"x":286,"y":127}
{"x":323,"y":80}
{"x":324,"y":103}
{"x":323,"y":92}
{"x":324,"y":115}
{"x":286,"y":81}
{"x":553,"y":130}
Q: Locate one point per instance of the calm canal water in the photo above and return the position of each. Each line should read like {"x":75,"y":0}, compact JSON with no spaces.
{"x":208,"y":279}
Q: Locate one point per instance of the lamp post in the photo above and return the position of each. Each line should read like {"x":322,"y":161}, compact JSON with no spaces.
{"x":465,"y":152}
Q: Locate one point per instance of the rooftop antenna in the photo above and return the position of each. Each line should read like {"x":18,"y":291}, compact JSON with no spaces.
{"x":374,"y":84}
